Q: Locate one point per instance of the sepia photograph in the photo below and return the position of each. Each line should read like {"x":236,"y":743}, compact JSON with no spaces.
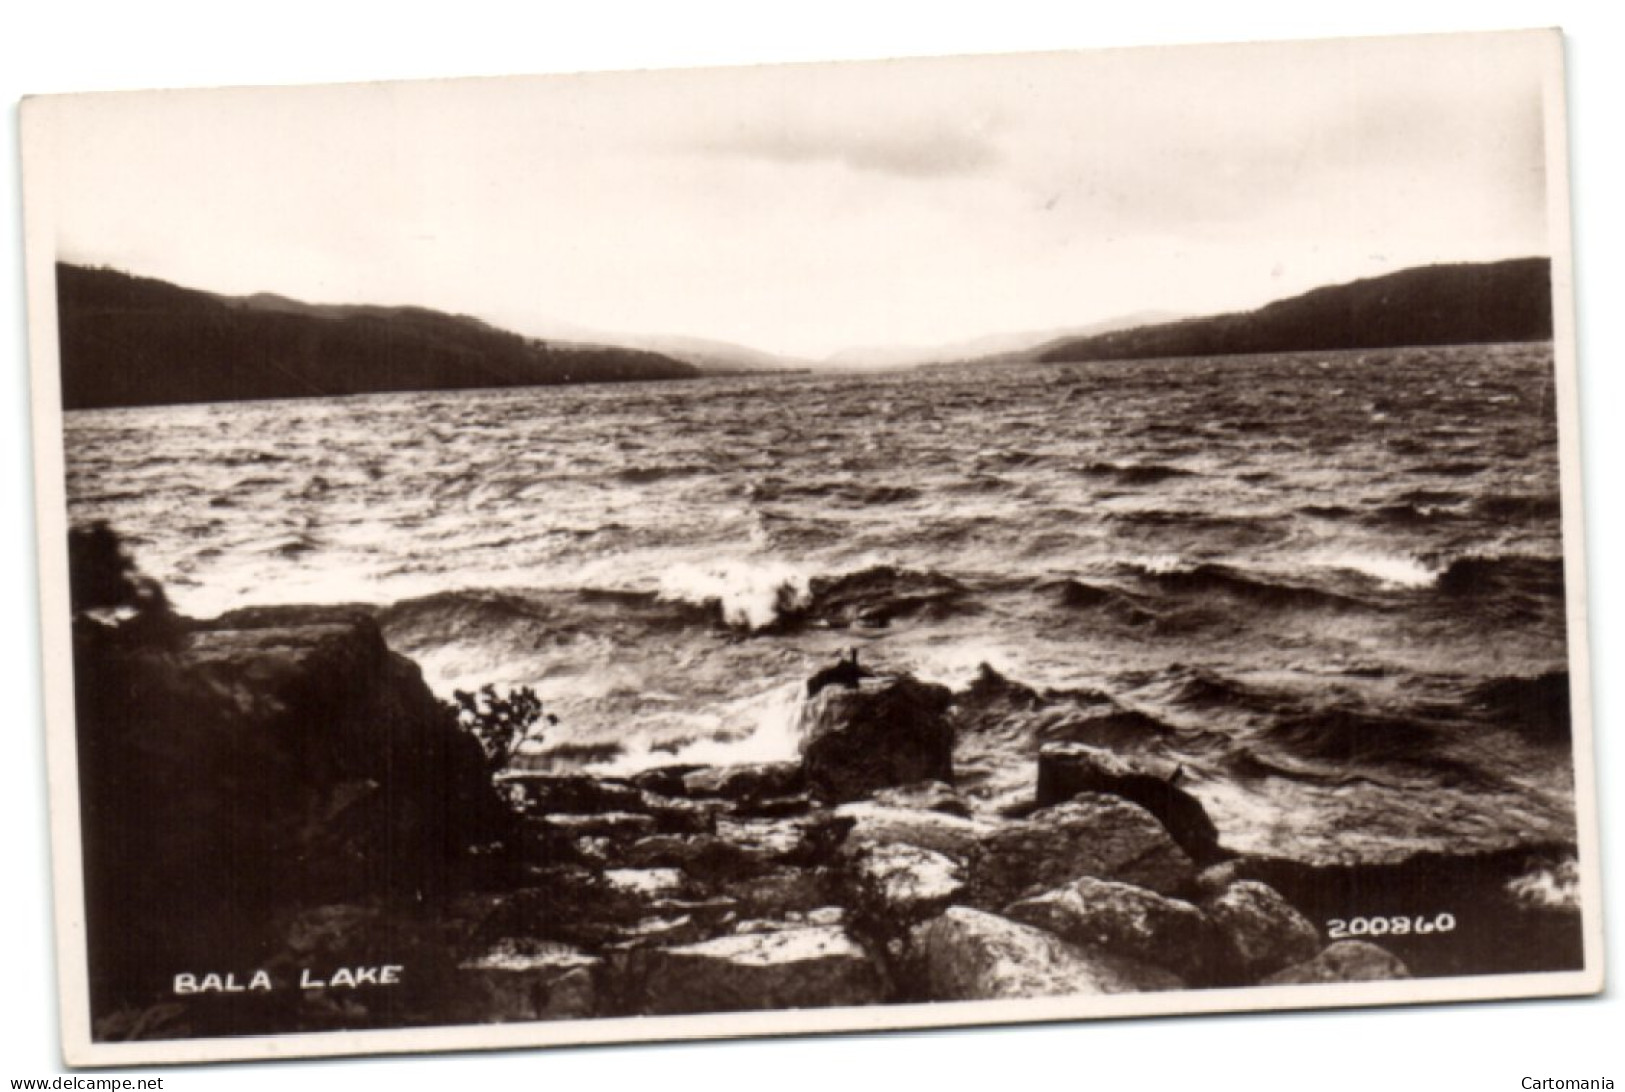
{"x":746,"y":550}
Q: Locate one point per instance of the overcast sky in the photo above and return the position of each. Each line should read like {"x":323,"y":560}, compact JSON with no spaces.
{"x":808,"y":209}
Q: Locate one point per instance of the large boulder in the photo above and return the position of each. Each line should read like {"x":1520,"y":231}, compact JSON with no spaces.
{"x":268,"y":758}
{"x":1124,"y":919}
{"x":880,"y":733}
{"x":1343,"y":961}
{"x":1067,"y":769}
{"x":1260,"y":931}
{"x":1090,"y":835}
{"x":969,"y":955}
{"x":798,"y":968}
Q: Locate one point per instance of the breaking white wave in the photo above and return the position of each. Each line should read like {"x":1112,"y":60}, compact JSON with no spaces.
{"x":751,"y":595}
{"x":1550,"y":887}
{"x":1399,"y":572}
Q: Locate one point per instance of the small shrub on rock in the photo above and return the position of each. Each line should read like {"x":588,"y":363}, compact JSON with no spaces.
{"x":501,"y":722}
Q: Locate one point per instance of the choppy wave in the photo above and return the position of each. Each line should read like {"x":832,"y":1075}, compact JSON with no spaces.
{"x":1143,"y":474}
{"x":1334,"y":565}
{"x":1484,"y":576}
{"x":1214,"y":581}
{"x":1536,"y":706}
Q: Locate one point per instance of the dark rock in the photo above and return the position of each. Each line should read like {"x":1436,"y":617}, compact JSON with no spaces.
{"x":1066,"y":769}
{"x":886,"y":732}
{"x":969,"y":955}
{"x":745,"y":782}
{"x":1260,"y":930}
{"x":267,"y":758}
{"x":546,"y":844}
{"x":1123,"y":919}
{"x":848,"y":673}
{"x":1343,"y":961}
{"x":809,"y":967}
{"x":1090,"y":835}
{"x":924,"y":796}
{"x":774,"y":807}
{"x":613,"y":825}
{"x":580,"y":794}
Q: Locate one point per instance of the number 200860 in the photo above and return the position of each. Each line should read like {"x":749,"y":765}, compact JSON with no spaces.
{"x":1396,"y":925}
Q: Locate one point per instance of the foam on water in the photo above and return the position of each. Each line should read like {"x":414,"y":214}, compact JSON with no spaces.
{"x":1398,"y":572}
{"x":780,"y":725}
{"x":752,"y":594}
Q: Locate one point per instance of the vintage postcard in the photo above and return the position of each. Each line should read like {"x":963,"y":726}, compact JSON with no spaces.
{"x":872,"y":545}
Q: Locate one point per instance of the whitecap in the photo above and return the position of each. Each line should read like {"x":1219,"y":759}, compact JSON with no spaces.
{"x":752,"y":595}
{"x":1395,"y":571}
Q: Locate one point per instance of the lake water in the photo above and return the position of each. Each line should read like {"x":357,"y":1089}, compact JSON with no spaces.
{"x":1336,"y":578}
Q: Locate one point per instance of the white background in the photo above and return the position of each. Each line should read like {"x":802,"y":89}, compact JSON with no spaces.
{"x":63,"y":47}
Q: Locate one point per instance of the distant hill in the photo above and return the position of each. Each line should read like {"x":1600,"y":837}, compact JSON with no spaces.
{"x":1429,"y":305}
{"x":991,"y":348}
{"x":136,"y":341}
{"x":710,"y":356}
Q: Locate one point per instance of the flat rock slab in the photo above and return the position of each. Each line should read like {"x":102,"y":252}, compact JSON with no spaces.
{"x":1106,"y":837}
{"x":745,"y":782}
{"x":969,"y":955}
{"x":651,"y":883}
{"x":1343,"y":961}
{"x":615,"y":825}
{"x":809,"y":967}
{"x":795,"y":919}
{"x":951,"y":835}
{"x":1124,"y":919}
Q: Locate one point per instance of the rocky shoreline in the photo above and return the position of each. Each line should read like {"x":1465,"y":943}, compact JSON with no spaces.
{"x":275,"y":791}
